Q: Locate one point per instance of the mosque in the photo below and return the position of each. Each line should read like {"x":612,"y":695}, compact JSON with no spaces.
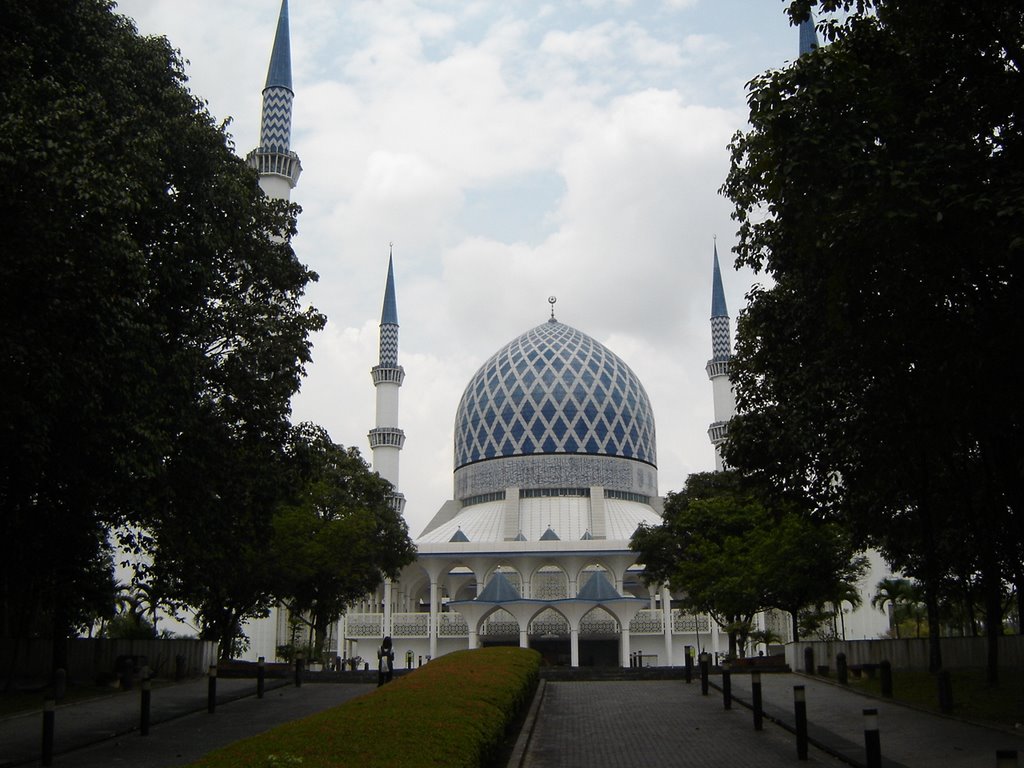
{"x":555,"y":466}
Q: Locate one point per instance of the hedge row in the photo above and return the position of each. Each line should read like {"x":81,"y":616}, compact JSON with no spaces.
{"x":452,"y":712}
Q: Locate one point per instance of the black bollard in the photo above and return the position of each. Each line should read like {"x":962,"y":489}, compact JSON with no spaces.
{"x":299,"y":665}
{"x":1006,"y":758}
{"x":688,"y":667}
{"x":945,"y":691}
{"x":211,"y":690}
{"x":872,"y":741}
{"x":49,"y":726}
{"x":841,"y":671}
{"x":704,"y":664}
{"x":755,"y":696}
{"x":147,"y":687}
{"x":727,"y":688}
{"x":800,"y":713}
{"x":885,"y":674}
{"x":261,"y":676}
{"x":421,"y":662}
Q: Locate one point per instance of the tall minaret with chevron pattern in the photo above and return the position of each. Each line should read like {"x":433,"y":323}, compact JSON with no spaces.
{"x":278,"y":166}
{"x":718,"y":366}
{"x":386,"y":439}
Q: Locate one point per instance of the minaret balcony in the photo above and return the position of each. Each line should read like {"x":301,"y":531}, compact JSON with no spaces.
{"x":272,"y":162}
{"x":386,"y":437}
{"x":383,"y":374}
{"x":718,"y":431}
{"x":716,"y":367}
{"x":397,"y":502}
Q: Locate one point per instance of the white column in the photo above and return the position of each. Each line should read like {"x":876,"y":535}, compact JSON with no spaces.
{"x":714,"y":635}
{"x":666,"y":620}
{"x":524,"y":640}
{"x":387,"y":607}
{"x":433,"y":618}
{"x":624,"y":645}
{"x":574,"y":646}
{"x":473,"y":639}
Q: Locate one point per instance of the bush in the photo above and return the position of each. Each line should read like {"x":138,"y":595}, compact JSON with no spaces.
{"x":452,"y":713}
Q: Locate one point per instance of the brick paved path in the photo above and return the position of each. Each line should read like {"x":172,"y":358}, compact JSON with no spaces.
{"x":658,"y":723}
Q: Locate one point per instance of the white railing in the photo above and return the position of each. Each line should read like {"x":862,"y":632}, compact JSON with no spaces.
{"x":687,"y":622}
{"x":647,"y":622}
{"x":452,"y":624}
{"x":363,"y":625}
{"x":410,"y":625}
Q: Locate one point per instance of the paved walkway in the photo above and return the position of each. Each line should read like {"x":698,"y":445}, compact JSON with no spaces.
{"x":104,"y":731}
{"x":669,"y":723}
{"x":578,"y":725}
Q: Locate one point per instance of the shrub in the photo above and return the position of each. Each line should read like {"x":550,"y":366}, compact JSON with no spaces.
{"x":452,"y":713}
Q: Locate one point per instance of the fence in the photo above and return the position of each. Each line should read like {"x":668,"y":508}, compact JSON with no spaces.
{"x":89,"y":658}
{"x":909,"y":653}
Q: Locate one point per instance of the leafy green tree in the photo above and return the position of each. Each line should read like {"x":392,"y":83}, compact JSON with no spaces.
{"x":880,"y":187}
{"x":732,"y":553}
{"x":148,"y":292}
{"x":338,"y":537}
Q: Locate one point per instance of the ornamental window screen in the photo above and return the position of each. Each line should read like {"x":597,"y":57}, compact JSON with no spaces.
{"x":610,"y":493}
{"x":550,"y":583}
{"x":451,"y":624}
{"x":501,"y":623}
{"x":545,"y":493}
{"x":598,"y":622}
{"x":549,"y":622}
{"x":687,"y":622}
{"x":647,"y":622}
{"x":410,"y":624}
{"x":482,"y":498}
{"x":360,"y":625}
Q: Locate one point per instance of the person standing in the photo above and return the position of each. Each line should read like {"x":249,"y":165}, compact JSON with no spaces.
{"x":385,"y":662}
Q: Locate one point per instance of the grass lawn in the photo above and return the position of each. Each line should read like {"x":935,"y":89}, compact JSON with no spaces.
{"x":973,"y":697}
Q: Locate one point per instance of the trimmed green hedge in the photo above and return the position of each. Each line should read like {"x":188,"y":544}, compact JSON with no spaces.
{"x":451,"y":713}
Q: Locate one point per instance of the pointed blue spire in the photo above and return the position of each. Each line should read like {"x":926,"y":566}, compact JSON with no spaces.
{"x":389,"y":314}
{"x":808,"y":35}
{"x":280,"y":72}
{"x":718,"y":308}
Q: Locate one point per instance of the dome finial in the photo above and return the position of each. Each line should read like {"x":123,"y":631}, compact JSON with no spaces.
{"x":551,"y":301}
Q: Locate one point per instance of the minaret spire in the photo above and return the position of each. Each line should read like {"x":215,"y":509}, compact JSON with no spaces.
{"x":718,"y":366}
{"x":278,"y":166}
{"x":808,"y":35}
{"x":386,"y":439}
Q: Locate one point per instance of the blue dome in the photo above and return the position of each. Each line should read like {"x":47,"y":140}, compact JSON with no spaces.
{"x":554,"y":390}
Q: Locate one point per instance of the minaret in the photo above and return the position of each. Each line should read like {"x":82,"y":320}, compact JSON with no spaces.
{"x":808,"y":36}
{"x":278,"y":166}
{"x":718,"y":365}
{"x":386,"y":439}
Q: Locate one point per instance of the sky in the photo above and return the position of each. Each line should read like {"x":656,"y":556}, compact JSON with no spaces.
{"x":510,"y":152}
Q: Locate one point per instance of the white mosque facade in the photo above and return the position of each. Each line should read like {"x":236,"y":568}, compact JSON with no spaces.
{"x":555,"y":467}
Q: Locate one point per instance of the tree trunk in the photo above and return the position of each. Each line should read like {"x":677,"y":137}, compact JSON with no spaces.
{"x":993,"y":621}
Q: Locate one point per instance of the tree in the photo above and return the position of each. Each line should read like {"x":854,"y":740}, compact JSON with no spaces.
{"x":881,"y":186}
{"x":734,"y":552}
{"x":148,"y":291}
{"x":339,"y":535}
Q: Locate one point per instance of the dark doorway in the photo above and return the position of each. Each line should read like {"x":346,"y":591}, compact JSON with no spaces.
{"x":556,"y":651}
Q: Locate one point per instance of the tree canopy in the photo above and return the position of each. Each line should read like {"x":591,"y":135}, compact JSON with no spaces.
{"x":732,"y":552}
{"x":150,"y":302}
{"x":881,"y":187}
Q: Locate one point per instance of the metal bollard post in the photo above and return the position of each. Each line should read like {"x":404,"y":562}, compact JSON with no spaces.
{"x":800,"y":713}
{"x":704,"y":664}
{"x":872,"y":740}
{"x":211,"y":690}
{"x":755,"y":696}
{"x":49,"y":726}
{"x":299,"y":663}
{"x":841,"y":670}
{"x":885,"y":673}
{"x":147,"y":688}
{"x":689,"y":668}
{"x":261,"y":676}
{"x":727,"y":688}
{"x":1006,"y":758}
{"x":809,"y":660}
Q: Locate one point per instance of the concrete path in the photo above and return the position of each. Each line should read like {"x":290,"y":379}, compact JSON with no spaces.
{"x":657,"y":723}
{"x":909,"y":737}
{"x":104,"y":731}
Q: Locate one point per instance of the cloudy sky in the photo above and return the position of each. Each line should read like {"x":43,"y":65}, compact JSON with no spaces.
{"x":510,"y":151}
